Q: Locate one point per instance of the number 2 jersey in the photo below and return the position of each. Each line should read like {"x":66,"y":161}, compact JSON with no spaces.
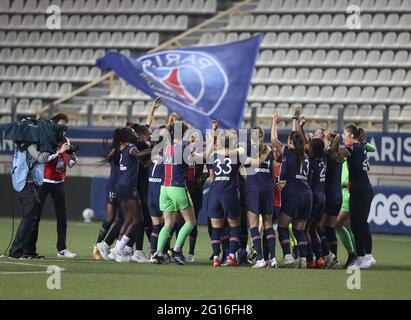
{"x":318,"y":169}
{"x":358,"y":166}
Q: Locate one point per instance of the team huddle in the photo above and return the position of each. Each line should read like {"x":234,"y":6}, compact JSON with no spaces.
{"x":310,"y":188}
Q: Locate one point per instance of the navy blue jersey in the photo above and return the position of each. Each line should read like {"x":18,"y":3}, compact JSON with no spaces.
{"x":114,"y":169}
{"x":296,"y":180}
{"x":143,"y":170}
{"x":128,"y":167}
{"x":175,"y":168}
{"x":333,"y":180}
{"x":156,"y":172}
{"x":318,"y":169}
{"x":261,"y":178}
{"x":225,"y":173}
{"x":358,"y":166}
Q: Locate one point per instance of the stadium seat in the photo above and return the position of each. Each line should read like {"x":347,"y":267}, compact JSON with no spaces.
{"x":351,"y":110}
{"x":6,"y":107}
{"x":364,"y":112}
{"x":406,"y":112}
{"x":405,"y":128}
{"x":35,"y":106}
{"x":377,"y":111}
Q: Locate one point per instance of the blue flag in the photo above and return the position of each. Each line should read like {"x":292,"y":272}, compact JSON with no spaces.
{"x":200,"y":84}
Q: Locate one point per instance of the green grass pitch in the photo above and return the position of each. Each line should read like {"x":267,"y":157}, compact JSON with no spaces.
{"x":87,"y":279}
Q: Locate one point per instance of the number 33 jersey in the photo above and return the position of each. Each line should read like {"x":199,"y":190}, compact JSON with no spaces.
{"x":225,"y":171}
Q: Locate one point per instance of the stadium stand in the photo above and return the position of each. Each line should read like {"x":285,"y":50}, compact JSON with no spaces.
{"x":309,"y":55}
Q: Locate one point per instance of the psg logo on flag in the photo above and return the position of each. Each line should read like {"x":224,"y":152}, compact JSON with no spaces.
{"x":191,"y":79}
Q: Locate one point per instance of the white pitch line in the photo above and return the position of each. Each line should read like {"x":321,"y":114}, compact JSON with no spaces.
{"x":22,"y":272}
{"x":66,"y":260}
{"x":25,"y":264}
{"x":31,"y":264}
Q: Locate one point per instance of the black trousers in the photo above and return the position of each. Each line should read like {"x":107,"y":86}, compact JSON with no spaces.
{"x":56,"y":190}
{"x":30,"y":203}
{"x":360,"y":203}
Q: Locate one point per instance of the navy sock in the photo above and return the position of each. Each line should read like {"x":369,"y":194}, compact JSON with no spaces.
{"x":154,"y":237}
{"x":225,"y":241}
{"x":316,"y":248}
{"x":209,"y":227}
{"x":177,"y":227}
{"x":105,"y":227}
{"x":266,"y":253}
{"x":325,"y":250}
{"x":132,"y":240}
{"x":301,"y":242}
{"x":331,"y":239}
{"x":243,"y":233}
{"x":234,"y":239}
{"x":216,"y":241}
{"x":167,"y":246}
{"x":256,"y":237}
{"x":173,"y":230}
{"x":114,"y":232}
{"x":284,"y":237}
{"x":139,"y":236}
{"x":193,"y":240}
{"x":310,"y":256}
{"x":270,"y":235}
{"x":148,"y":230}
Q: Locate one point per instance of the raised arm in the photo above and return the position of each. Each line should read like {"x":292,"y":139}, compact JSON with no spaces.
{"x":210,"y":139}
{"x":275,"y":143}
{"x":296,"y":114}
{"x":171,"y":119}
{"x":136,"y":153}
{"x":150,"y":117}
{"x":303,"y":121}
{"x":256,"y":161}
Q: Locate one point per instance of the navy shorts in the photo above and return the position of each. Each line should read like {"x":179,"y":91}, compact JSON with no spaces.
{"x":126,"y":192}
{"x":153,"y":203}
{"x":332,"y":206}
{"x":243,"y":201}
{"x":197,"y":198}
{"x":318,"y":206}
{"x":111,"y":195}
{"x":333,"y":203}
{"x":223,"y":204}
{"x":260,"y":202}
{"x":298,"y":205}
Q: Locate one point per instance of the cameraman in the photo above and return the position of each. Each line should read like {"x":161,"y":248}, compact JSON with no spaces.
{"x":28,"y":173}
{"x":54,"y":175}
